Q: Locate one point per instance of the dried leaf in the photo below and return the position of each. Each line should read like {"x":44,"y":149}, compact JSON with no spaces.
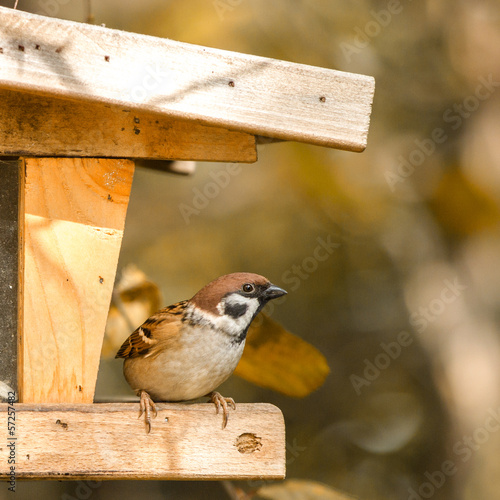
{"x":134,"y":299}
{"x":276,"y":359}
{"x":295,"y":489}
{"x":456,"y":194}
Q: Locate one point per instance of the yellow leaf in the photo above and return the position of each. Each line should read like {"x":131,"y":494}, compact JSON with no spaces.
{"x":462,"y":207}
{"x":276,"y":359}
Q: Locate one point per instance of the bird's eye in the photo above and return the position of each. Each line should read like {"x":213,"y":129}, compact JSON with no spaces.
{"x":248,"y":288}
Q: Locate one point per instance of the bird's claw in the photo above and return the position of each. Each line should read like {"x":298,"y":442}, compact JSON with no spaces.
{"x":222,"y":402}
{"x":145,"y":403}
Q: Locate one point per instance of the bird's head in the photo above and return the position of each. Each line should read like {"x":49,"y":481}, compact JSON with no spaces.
{"x":233,"y":300}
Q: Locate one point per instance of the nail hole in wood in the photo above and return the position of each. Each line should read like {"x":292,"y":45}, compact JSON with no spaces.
{"x":231,"y":83}
{"x":64,"y":425}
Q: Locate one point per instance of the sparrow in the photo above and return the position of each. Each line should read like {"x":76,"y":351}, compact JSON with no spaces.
{"x":186,"y":350}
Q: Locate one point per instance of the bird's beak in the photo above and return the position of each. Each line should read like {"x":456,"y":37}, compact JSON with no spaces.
{"x":273,"y":292}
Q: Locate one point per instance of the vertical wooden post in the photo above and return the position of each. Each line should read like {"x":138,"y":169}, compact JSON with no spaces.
{"x":74,"y":216}
{"x":10,"y":242}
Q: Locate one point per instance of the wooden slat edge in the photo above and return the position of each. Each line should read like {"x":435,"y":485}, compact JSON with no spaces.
{"x":20,"y":275}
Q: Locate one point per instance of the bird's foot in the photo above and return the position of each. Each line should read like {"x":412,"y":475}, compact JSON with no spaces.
{"x":145,"y":403}
{"x":222,"y":402}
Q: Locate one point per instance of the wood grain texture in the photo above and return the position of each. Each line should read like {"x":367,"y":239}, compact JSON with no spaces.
{"x":34,"y":125}
{"x":252,"y":94}
{"x":74,"y":217}
{"x":108,"y":441}
{"x":10,"y":240}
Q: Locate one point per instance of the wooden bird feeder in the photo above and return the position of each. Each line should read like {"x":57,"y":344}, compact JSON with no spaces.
{"x":79,"y":104}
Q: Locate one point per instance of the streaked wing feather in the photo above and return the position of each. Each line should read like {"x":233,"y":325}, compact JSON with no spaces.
{"x":159,"y":328}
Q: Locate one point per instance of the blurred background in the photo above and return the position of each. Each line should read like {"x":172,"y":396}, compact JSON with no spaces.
{"x":406,"y":307}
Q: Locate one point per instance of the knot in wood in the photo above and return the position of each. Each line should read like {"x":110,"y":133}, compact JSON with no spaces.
{"x":248,"y":443}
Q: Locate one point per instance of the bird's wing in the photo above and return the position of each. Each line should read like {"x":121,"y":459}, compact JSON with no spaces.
{"x":159,"y":329}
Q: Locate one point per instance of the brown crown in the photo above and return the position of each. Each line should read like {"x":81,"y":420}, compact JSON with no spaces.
{"x":210,"y":295}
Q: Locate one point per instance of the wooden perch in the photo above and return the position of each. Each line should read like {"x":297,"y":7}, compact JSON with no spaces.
{"x":108,"y":441}
{"x":256,"y":95}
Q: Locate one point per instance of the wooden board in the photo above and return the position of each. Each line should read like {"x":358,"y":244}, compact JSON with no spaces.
{"x":74,"y":218}
{"x":108,"y":441}
{"x":10,"y":204}
{"x":34,"y":125}
{"x":252,"y":94}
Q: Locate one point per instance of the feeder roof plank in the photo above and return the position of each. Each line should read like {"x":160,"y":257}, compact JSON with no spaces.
{"x":35,"y":125}
{"x":251,"y":94}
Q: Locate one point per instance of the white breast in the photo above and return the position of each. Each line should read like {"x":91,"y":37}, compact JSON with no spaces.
{"x":207,"y":357}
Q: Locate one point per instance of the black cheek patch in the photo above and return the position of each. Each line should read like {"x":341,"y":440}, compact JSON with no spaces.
{"x":235,"y":310}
